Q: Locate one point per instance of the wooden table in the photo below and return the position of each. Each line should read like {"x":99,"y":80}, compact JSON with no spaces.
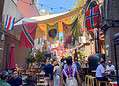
{"x":93,"y":72}
{"x":114,"y":83}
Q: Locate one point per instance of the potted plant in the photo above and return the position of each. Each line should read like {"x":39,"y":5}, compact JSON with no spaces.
{"x":39,"y":57}
{"x":30,"y":60}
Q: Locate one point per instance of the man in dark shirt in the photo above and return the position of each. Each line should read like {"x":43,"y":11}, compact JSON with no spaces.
{"x":15,"y":80}
{"x":48,"y":69}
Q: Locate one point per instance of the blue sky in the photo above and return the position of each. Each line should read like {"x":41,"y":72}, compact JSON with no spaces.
{"x":56,"y":6}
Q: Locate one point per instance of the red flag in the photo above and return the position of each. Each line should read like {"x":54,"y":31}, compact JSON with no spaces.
{"x":27,"y":37}
{"x":93,"y":18}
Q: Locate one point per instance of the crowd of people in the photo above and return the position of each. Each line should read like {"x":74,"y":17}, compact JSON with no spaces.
{"x":10,"y":78}
{"x":105,"y":72}
{"x":63,"y":73}
{"x":66,"y":72}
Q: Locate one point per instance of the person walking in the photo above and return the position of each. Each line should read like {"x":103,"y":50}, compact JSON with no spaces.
{"x":3,"y":79}
{"x":70,"y":73}
{"x":57,"y":74}
{"x":48,"y":69}
{"x":77,"y":66}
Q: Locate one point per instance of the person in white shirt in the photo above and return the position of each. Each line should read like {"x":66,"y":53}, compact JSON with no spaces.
{"x":100,"y":71}
{"x":110,"y":68}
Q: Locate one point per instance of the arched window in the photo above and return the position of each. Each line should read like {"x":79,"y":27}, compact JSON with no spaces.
{"x":92,"y":4}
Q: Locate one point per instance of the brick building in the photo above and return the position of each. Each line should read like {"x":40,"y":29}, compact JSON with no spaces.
{"x":6,"y":41}
{"x":9,"y":7}
{"x":110,"y":26}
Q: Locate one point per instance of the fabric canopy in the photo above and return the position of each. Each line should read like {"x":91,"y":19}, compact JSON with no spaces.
{"x":49,"y":18}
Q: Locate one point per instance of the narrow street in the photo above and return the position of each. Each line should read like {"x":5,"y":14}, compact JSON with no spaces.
{"x":59,"y":43}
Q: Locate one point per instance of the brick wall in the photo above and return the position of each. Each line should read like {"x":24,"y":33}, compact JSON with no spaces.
{"x":109,"y":41}
{"x":20,"y":53}
{"x":112,"y":11}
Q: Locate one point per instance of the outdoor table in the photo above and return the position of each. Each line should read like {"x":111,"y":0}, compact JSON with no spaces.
{"x":93,"y":72}
{"x":114,"y":83}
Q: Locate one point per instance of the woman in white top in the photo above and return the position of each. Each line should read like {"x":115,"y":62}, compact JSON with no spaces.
{"x":57,"y":74}
{"x":70,"y":73}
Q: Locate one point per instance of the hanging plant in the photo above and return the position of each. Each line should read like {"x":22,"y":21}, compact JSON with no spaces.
{"x":30,"y":60}
{"x":76,"y":30}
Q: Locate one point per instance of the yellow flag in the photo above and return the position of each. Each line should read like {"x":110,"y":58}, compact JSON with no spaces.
{"x":41,"y":31}
{"x":60,"y":26}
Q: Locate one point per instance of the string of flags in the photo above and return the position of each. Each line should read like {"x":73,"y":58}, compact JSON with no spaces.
{"x":92,"y":16}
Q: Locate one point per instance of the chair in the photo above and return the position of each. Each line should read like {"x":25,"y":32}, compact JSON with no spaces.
{"x":89,"y":80}
{"x":106,"y":83}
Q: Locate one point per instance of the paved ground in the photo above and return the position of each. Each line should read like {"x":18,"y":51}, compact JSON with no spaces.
{"x":41,"y":81}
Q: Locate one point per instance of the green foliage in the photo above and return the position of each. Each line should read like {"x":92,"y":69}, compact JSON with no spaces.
{"x":39,"y":56}
{"x":81,"y":54}
{"x":30,"y":58}
{"x":76,"y":29}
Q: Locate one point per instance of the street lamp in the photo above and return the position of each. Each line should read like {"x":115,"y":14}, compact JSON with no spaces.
{"x":116,"y":42}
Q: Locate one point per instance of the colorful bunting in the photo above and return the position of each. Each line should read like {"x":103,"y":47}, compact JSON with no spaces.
{"x":61,"y":37}
{"x":39,"y":33}
{"x":52,"y":30}
{"x":67,"y":34}
{"x":60,"y":27}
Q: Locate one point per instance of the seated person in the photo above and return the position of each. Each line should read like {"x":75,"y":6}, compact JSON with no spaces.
{"x":3,"y":80}
{"x":31,"y":81}
{"x":110,"y":68}
{"x":100,"y":72}
{"x":15,"y":80}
